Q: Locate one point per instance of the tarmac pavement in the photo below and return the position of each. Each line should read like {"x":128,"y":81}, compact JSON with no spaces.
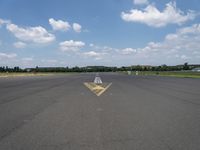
{"x":135,"y":113}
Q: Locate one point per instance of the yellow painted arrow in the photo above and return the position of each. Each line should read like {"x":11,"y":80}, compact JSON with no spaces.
{"x":97,"y":89}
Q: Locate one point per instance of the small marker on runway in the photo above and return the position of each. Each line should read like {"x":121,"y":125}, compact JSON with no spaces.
{"x":97,"y":87}
{"x":97,"y":80}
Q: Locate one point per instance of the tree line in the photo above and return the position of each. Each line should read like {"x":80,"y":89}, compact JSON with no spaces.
{"x":164,"y":67}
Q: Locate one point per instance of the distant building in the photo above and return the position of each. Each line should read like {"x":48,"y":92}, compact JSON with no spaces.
{"x":196,"y":69}
{"x":28,"y":69}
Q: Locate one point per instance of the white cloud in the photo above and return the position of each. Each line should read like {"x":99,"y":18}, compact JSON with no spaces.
{"x":31,"y":34}
{"x":99,"y":52}
{"x":194,"y":29}
{"x":19,"y":44}
{"x":71,"y":45}
{"x":7,"y":55}
{"x":2,"y":22}
{"x":156,"y":18}
{"x":101,"y":48}
{"x":59,"y":24}
{"x":140,"y":2}
{"x":128,"y":51}
{"x":94,"y":54}
{"x":64,"y":25}
{"x":176,"y":48}
{"x":180,"y":46}
{"x":77,"y":27}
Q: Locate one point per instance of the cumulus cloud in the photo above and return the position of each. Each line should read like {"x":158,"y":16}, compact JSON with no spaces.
{"x":179,"y":47}
{"x":77,"y":27}
{"x":59,"y":25}
{"x":128,"y":51}
{"x":189,"y":35}
{"x":194,"y":29}
{"x":71,"y":45}
{"x":94,"y":54}
{"x":19,"y":44}
{"x":140,"y":2}
{"x":2,"y":22}
{"x":102,"y":48}
{"x":156,"y":18}
{"x":7,"y":55}
{"x":182,"y":45}
{"x":31,"y":34}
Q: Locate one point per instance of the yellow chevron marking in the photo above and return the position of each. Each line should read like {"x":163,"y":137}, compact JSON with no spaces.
{"x":97,"y":89}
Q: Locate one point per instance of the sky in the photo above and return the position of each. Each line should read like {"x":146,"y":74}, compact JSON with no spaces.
{"x":99,"y":32}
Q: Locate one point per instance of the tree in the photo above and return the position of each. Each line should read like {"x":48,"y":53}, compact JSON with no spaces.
{"x":185,"y":66}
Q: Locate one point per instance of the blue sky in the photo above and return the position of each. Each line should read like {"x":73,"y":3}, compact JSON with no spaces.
{"x":92,"y":32}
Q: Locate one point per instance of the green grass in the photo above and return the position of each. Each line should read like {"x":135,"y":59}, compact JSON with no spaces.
{"x":24,"y":74}
{"x":181,"y":74}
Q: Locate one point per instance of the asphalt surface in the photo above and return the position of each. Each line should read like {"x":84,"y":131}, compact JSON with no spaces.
{"x":135,"y":113}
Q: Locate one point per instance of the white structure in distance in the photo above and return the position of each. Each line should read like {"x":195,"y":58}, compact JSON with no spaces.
{"x":97,"y":80}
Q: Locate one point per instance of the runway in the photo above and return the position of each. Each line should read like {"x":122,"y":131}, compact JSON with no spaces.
{"x":59,"y":112}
